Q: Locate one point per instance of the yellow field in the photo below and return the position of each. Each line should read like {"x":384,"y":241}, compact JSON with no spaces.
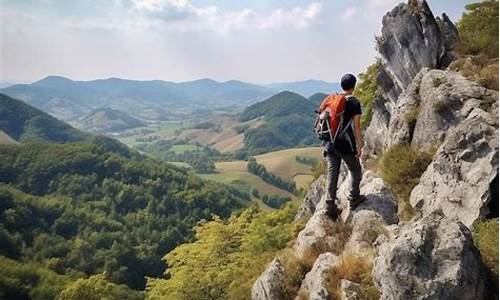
{"x":224,"y":138}
{"x":284,"y":164}
{"x":303,"y":181}
{"x":281,"y":163}
{"x":235,"y":173}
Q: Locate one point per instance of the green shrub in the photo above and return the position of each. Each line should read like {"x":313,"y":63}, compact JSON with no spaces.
{"x":411,"y":117}
{"x":478,"y":29}
{"x":486,"y":239}
{"x":366,"y":90}
{"x":401,"y":167}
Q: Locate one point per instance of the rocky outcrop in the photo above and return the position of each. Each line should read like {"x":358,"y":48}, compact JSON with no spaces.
{"x":314,"y":283}
{"x":372,"y":217}
{"x":270,"y":285}
{"x":411,"y":39}
{"x":459,"y":178}
{"x":431,"y":258}
{"x":433,"y":104}
{"x":308,"y":206}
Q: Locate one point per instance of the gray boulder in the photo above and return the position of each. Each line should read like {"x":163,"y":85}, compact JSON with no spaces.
{"x":270,"y":285}
{"x":317,"y":236}
{"x":437,"y":101}
{"x":371,"y":218}
{"x":431,"y":258}
{"x":314,"y":284}
{"x":308,"y":206}
{"x":459,"y":179}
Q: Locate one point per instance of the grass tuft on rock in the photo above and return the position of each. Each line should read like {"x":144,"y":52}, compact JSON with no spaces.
{"x":354,"y":268}
{"x":401,"y":167}
{"x":486,"y":239}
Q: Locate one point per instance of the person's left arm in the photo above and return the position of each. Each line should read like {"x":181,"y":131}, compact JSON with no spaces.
{"x":357,"y":129}
{"x":357,"y":134}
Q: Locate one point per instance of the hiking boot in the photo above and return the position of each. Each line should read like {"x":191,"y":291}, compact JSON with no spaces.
{"x":354,"y":203}
{"x":331,"y":210}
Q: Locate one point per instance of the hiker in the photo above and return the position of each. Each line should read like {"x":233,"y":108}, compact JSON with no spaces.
{"x":344,"y":142}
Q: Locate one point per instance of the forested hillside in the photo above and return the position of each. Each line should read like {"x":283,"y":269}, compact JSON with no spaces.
{"x":83,"y":208}
{"x":26,"y":123}
{"x":288,"y":119}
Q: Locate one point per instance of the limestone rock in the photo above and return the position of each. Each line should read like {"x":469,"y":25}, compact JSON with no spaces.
{"x":431,"y":258}
{"x":314,"y":283}
{"x":437,"y":101}
{"x":446,"y":99}
{"x":270,"y":285}
{"x":458,"y":180}
{"x":308,"y":206}
{"x":370,"y":218}
{"x":350,"y":290}
{"x":317,"y":235}
{"x":411,"y":39}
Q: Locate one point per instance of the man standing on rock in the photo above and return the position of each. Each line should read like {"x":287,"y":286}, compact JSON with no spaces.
{"x":346,"y":146}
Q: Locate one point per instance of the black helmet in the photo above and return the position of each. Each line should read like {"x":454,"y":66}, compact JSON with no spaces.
{"x":348,"y":82}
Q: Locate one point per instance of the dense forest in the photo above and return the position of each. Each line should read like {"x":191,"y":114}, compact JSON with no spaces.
{"x":288,"y":123}
{"x":226,"y":257}
{"x":83,"y":208}
{"x":26,"y":123}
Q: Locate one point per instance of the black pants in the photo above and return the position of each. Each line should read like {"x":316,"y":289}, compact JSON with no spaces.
{"x":333,"y":160}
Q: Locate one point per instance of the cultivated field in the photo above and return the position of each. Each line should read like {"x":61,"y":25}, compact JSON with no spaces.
{"x":284,"y":164}
{"x":235,"y":173}
{"x":281,"y":163}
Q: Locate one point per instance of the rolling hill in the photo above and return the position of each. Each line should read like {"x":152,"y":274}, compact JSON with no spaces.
{"x":81,"y":204}
{"x":317,"y":98}
{"x":23,"y":123}
{"x":108,"y":120}
{"x":288,"y":119}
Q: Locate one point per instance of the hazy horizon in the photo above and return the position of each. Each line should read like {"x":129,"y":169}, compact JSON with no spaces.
{"x":260,"y":42}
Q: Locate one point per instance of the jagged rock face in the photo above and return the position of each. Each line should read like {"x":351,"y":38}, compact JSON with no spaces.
{"x":431,"y":258}
{"x":439,"y":101}
{"x":458,"y":179}
{"x":314,"y":283}
{"x":316,"y":235}
{"x":371,"y":217}
{"x":411,"y":39}
{"x":308,"y":206}
{"x":450,"y":33}
{"x":270,"y":285}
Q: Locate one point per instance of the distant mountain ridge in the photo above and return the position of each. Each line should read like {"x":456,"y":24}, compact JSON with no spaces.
{"x":306,"y":88}
{"x":69,"y":100}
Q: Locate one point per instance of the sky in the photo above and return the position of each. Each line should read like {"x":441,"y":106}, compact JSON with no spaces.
{"x":178,"y":40}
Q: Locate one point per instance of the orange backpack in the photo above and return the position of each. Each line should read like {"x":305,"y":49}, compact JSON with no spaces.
{"x":330,"y":117}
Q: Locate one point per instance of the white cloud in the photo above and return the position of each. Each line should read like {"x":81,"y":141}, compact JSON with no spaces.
{"x":382,"y":3}
{"x":182,"y":15}
{"x":297,"y":17}
{"x":349,"y":13}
